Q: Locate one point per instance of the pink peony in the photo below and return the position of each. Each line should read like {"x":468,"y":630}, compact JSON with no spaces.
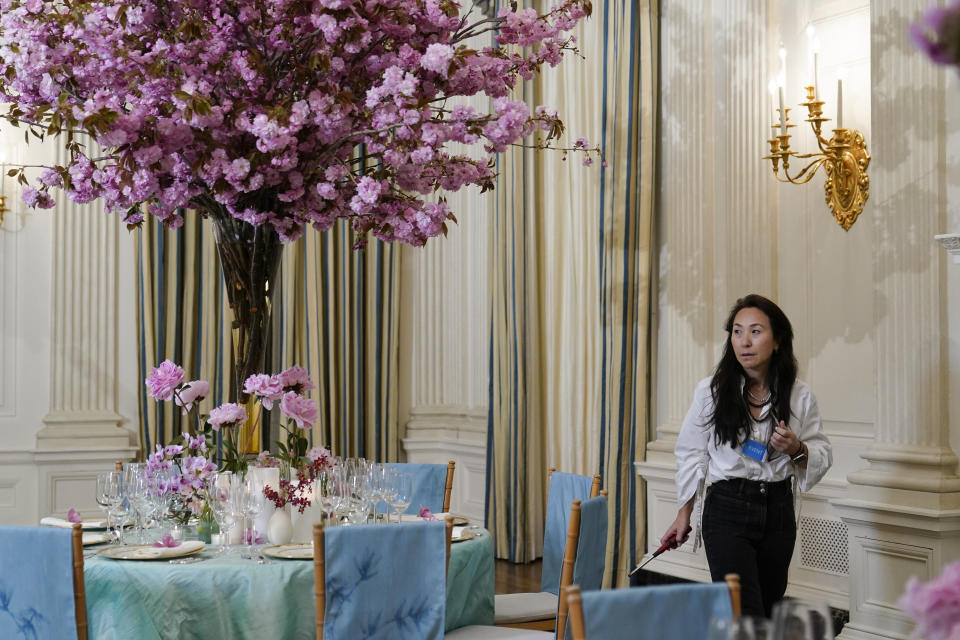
{"x":295,"y":379}
{"x":193,"y":391}
{"x":164,"y":380}
{"x":300,"y":409}
{"x":227,"y":415}
{"x":268,"y":388}
{"x":935,"y":606}
{"x":73,"y":516}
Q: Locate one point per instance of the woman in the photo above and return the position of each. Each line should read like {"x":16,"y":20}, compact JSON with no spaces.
{"x":752,"y":431}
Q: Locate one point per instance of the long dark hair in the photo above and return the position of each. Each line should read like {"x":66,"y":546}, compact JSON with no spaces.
{"x":731,"y":417}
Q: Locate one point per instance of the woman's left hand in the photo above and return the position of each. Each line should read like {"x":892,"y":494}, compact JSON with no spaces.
{"x":784,"y":440}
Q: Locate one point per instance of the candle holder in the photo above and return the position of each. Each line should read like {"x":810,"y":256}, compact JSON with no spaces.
{"x":844,"y":158}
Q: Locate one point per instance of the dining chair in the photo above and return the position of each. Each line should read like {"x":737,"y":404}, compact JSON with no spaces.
{"x":380,"y":581}
{"x":583,"y":562}
{"x":41,"y":583}
{"x":539,"y":610}
{"x":432,"y":484}
{"x":663,"y":611}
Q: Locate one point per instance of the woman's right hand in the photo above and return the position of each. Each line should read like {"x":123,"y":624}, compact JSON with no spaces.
{"x":680,"y":529}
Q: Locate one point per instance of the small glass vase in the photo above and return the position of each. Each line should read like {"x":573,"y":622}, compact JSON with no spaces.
{"x":207,"y":527}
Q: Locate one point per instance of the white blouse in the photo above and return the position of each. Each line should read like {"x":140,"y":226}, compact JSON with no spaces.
{"x":696,"y":447}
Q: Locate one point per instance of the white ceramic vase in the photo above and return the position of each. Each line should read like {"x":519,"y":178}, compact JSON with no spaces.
{"x":303,"y":522}
{"x":280,"y":527}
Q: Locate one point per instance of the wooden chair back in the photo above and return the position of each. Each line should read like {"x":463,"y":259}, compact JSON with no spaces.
{"x":575,"y":604}
{"x":79,"y":589}
{"x":448,"y":489}
{"x":319,"y":572}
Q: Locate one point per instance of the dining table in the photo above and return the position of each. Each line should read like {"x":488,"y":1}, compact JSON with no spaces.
{"x":215,"y":595}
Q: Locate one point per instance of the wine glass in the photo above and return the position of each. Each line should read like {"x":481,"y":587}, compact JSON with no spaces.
{"x":103,"y":497}
{"x":251,"y":504}
{"x":110,"y":492}
{"x":221,"y":503}
{"x":799,"y":620}
{"x":401,"y":493}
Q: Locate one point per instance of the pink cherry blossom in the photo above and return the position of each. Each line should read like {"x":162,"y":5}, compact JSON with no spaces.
{"x":256,"y":109}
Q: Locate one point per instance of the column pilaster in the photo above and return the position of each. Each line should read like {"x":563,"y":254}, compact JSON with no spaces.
{"x":83,"y":359}
{"x":903,"y":509}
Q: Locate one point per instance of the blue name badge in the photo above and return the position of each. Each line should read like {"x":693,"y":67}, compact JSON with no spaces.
{"x":755,"y":450}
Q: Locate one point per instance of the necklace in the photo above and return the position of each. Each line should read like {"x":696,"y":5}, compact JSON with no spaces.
{"x":757,"y":398}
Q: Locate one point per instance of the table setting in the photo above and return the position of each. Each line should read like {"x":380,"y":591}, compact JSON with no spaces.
{"x":243,"y":581}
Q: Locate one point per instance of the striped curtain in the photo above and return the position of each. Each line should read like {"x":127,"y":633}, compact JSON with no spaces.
{"x":334,"y":312}
{"x":571,"y":279}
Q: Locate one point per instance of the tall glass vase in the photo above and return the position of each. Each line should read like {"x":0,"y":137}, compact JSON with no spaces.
{"x":249,"y":261}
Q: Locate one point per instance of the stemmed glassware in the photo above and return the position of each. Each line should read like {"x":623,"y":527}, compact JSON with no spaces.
{"x":104,"y":498}
{"x":742,"y":628}
{"x":110,"y":496}
{"x":134,"y":490}
{"x":401,"y":492}
{"x":389,"y":489}
{"x":799,"y":620}
{"x":222,"y":505}
{"x":325,"y":490}
{"x":376,"y":473}
{"x":250,"y":501}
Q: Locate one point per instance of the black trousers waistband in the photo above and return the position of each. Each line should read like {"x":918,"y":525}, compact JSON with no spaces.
{"x":753,"y":489}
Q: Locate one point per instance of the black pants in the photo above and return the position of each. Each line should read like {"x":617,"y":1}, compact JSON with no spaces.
{"x":749,"y":529}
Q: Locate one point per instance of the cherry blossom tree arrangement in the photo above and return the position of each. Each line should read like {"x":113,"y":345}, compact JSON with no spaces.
{"x":266,"y":116}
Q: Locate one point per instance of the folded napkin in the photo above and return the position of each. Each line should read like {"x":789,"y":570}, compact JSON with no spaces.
{"x":412,"y":517}
{"x":95,"y":538}
{"x":50,"y":521}
{"x":457,"y":532}
{"x":166,"y":552}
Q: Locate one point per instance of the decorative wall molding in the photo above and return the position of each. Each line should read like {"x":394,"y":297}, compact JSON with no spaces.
{"x":83,"y":368}
{"x":9,"y":360}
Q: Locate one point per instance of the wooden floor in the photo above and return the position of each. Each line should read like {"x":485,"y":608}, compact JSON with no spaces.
{"x":517,"y":578}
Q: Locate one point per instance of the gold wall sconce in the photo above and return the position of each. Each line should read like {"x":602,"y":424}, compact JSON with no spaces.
{"x":3,"y":207}
{"x":844,"y":158}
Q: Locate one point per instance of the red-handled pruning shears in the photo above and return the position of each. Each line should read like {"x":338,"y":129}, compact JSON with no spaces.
{"x":671,"y":543}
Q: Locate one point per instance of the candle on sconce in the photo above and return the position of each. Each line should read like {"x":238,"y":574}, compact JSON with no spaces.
{"x":816,"y":91}
{"x":783,"y":115}
{"x":839,"y":104}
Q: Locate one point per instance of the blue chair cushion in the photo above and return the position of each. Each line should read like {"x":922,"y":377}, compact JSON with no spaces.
{"x":668,"y":611}
{"x":564,"y":489}
{"x":592,"y":545}
{"x":36,"y":583}
{"x":385,"y":581}
{"x":429,"y":484}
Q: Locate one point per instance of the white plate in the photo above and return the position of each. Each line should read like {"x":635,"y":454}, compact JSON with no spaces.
{"x":150,"y":552}
{"x":295,"y":551}
{"x":462,"y":534}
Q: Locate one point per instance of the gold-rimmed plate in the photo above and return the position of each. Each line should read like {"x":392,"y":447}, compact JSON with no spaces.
{"x":293,"y":551}
{"x":150,"y":552}
{"x":462,"y":534}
